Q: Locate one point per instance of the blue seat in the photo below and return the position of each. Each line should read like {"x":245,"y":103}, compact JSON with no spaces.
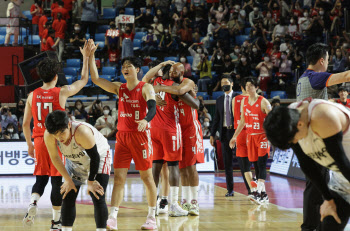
{"x":101,"y":45}
{"x":139,"y":35}
{"x":102,"y":28}
{"x":204,"y":95}
{"x":121,"y":79}
{"x":109,"y":71}
{"x":190,"y":59}
{"x":87,"y":36}
{"x":34,"y":40}
{"x":145,"y":69}
{"x":89,"y":83}
{"x":217,"y":94}
{"x":27,"y":14}
{"x":137,"y":44}
{"x":24,"y":31}
{"x":72,"y":71}
{"x":172,"y":58}
{"x":101,"y":97}
{"x":2,"y":30}
{"x":129,"y":11}
{"x":281,"y":94}
{"x":247,"y":30}
{"x":100,"y":37}
{"x":241,"y":38}
{"x":20,"y":39}
{"x":2,"y":39}
{"x":69,"y":79}
{"x":80,"y":96}
{"x":74,"y":63}
{"x":109,"y":13}
{"x":107,"y":77}
{"x":153,"y":58}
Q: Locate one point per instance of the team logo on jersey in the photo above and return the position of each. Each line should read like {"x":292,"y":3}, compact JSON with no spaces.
{"x":123,"y":114}
{"x":257,"y":105}
{"x":138,"y":89}
{"x":125,"y":96}
{"x":248,"y":111}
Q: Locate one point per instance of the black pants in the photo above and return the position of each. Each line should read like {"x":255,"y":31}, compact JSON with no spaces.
{"x":311,"y":205}
{"x":92,"y":28}
{"x":227,"y":154}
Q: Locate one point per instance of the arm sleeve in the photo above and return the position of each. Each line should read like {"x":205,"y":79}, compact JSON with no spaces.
{"x":151,"y":105}
{"x":94,"y":162}
{"x":318,"y":80}
{"x":335,"y":148}
{"x":312,"y":171}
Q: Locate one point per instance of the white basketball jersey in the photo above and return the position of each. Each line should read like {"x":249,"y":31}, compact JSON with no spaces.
{"x":79,"y":160}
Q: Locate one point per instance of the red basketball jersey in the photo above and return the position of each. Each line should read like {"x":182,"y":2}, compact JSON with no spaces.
{"x":254,"y":117}
{"x":238,"y":99}
{"x":132,"y":106}
{"x":347,"y":102}
{"x":44,"y":102}
{"x":167,"y":117}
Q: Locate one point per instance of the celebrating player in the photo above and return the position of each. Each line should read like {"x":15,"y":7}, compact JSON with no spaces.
{"x":87,"y":159}
{"x":39,"y":104}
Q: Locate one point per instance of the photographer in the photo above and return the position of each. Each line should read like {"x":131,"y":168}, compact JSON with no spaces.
{"x":95,"y":110}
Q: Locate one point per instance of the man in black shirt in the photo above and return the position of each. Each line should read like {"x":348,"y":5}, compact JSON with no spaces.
{"x":77,"y":38}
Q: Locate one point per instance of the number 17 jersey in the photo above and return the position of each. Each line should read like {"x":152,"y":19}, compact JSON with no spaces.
{"x":43,"y":103}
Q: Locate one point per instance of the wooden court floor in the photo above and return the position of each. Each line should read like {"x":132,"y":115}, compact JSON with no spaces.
{"x":216,"y":211}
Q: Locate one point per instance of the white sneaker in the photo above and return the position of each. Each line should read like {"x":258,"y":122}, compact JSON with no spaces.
{"x":28,"y":220}
{"x":186,"y":206}
{"x":112,"y":223}
{"x":194,"y":210}
{"x":56,"y":225}
{"x":176,"y":211}
{"x":157,"y":207}
{"x":163,"y":206}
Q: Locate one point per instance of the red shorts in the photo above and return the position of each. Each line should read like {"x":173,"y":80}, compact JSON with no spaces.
{"x":193,"y":150}
{"x":257,"y":146}
{"x":241,"y":143}
{"x":167,"y":145}
{"x":43,"y":163}
{"x":133,"y":145}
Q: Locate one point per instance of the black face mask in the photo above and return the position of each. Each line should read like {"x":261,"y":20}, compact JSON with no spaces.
{"x":128,"y":31}
{"x":21,"y":106}
{"x":177,"y":80}
{"x":112,"y":26}
{"x":226,"y":87}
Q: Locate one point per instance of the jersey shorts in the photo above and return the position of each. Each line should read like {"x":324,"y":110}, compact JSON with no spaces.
{"x":136,"y":146}
{"x":241,"y":143}
{"x":192,"y":151}
{"x":167,"y":145}
{"x":258,"y":146}
{"x":43,"y":163}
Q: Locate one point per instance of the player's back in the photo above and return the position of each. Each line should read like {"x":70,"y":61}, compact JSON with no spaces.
{"x":132,"y":106}
{"x":43,"y":103}
{"x":237,"y":110}
{"x":254,"y":117}
{"x":167,"y":117}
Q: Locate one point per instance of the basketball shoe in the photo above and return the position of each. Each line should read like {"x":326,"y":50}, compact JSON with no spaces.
{"x":56,"y":226}
{"x":264,"y":199}
{"x":186,"y":206}
{"x":150,"y":224}
{"x":112,"y":223}
{"x":176,"y":211}
{"x":158,"y":205}
{"x":194,"y":209}
{"x":28,"y":219}
{"x":163,"y":206}
{"x":256,"y":197}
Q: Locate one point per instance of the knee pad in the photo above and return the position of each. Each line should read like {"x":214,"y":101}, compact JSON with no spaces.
{"x":56,"y":197}
{"x":173,"y":163}
{"x":68,"y":210}
{"x":40,"y":184}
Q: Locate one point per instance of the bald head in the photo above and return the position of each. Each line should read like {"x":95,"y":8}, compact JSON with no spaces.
{"x":176,"y":72}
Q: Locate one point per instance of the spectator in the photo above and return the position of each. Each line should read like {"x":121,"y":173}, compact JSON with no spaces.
{"x":203,"y":113}
{"x":77,"y":39}
{"x":285,"y":70}
{"x":7,"y":117}
{"x":234,"y":26}
{"x":220,"y":13}
{"x":54,"y":5}
{"x":69,"y":5}
{"x":105,"y":123}
{"x":19,"y":114}
{"x":179,"y":4}
{"x":69,"y":114}
{"x":145,"y":19}
{"x":89,"y":17}
{"x":95,"y":111}
{"x":236,"y":54}
{"x":60,"y":9}
{"x":60,"y":27}
{"x":127,"y":39}
{"x":204,"y":68}
{"x":185,"y":34}
{"x":280,"y":29}
{"x":258,"y":31}
{"x":217,"y":60}
{"x":212,"y":27}
{"x":42,"y":22}
{"x":255,"y":16}
{"x":293,"y":30}
{"x":206,"y":128}
{"x":223,"y":34}
{"x":276,"y":10}
{"x":79,"y":111}
{"x":13,"y":14}
{"x":36,"y":12}
{"x":157,"y":27}
{"x":335,"y":15}
{"x":113,"y":55}
{"x":255,"y":55}
{"x":304,"y":22}
{"x":150,"y":41}
{"x":269,"y":23}
{"x":265,"y":72}
{"x":45,"y":36}
{"x":10,"y":132}
{"x":112,"y":35}
{"x":197,"y":55}
{"x":339,"y":60}
{"x":187,"y":67}
{"x":243,"y":68}
{"x":315,"y":30}
{"x":166,"y":43}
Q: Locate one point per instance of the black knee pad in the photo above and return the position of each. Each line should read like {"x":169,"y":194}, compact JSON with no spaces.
{"x":100,"y":206}
{"x":256,"y":168}
{"x":56,"y":197}
{"x":158,"y":162}
{"x":173,"y":163}
{"x":68,"y":211}
{"x":245,"y":164}
{"x":262,"y":166}
{"x":40,"y":184}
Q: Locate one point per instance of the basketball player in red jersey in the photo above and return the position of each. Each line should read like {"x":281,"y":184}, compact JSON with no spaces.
{"x":254,"y":109}
{"x":193,"y":151}
{"x":343,"y":94}
{"x":133,"y":138}
{"x":39,"y":104}
{"x":242,"y":149}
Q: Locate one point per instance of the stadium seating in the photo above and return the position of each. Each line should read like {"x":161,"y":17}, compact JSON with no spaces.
{"x":74,"y":63}
{"x":172,"y":58}
{"x":121,"y":79}
{"x":100,"y":37}
{"x":27,"y":14}
{"x":72,"y":71}
{"x":190,"y":59}
{"x":140,"y":35}
{"x":107,"y":77}
{"x":281,"y":94}
{"x":137,"y":44}
{"x":69,"y":79}
{"x":204,"y":95}
{"x":217,"y":94}
{"x":101,"y":45}
{"x":145,"y":69}
{"x":129,"y":11}
{"x":241,"y":38}
{"x":109,"y":71}
{"x":34,"y":40}
{"x":109,"y":13}
{"x":247,"y":30}
{"x":102,"y":28}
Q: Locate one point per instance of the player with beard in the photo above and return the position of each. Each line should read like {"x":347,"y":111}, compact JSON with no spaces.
{"x":192,"y":152}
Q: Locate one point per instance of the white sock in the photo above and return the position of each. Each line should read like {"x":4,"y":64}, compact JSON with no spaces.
{"x":56,"y":214}
{"x":263,"y":187}
{"x":186,"y":194}
{"x":152,"y":212}
{"x":66,"y":229}
{"x":114,"y":212}
{"x":100,"y":229}
{"x":194,"y":193}
{"x":260,"y":186}
{"x":165,"y":197}
{"x":34,"y":197}
{"x":174,"y":194}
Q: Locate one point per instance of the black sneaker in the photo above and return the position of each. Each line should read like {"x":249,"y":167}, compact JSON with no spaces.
{"x":163,"y":206}
{"x":56,"y":225}
{"x":264,"y":199}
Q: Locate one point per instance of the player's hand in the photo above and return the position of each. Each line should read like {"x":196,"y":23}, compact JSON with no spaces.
{"x":94,"y":187}
{"x":233,"y":142}
{"x":85,"y":51}
{"x":66,"y":187}
{"x":167,"y":62}
{"x":328,"y":208}
{"x":142,"y":125}
{"x":93,"y":46}
{"x":192,"y":93}
{"x":212,"y":140}
{"x":160,"y":102}
{"x":31,"y":150}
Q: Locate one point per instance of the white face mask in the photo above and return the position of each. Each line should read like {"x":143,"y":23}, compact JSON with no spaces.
{"x":237,"y":50}
{"x":220,"y":9}
{"x":306,"y":14}
{"x":155,"y":20}
{"x":266,"y":59}
{"x":77,"y":28}
{"x":283,"y":65}
{"x":321,"y":12}
{"x":283,"y":56}
{"x":256,"y":9}
{"x":238,"y":7}
{"x":166,"y":31}
{"x":88,"y":1}
{"x":10,"y":130}
{"x":243,"y":59}
{"x":206,"y":124}
{"x":255,"y":50}
{"x":199,"y":51}
{"x":182,"y":60}
{"x":292,"y":21}
{"x":150,"y":31}
{"x":105,"y":112}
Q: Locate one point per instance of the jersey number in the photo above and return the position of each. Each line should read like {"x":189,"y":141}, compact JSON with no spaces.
{"x":263,"y":144}
{"x":46,"y":106}
{"x":137,"y":115}
{"x":182,"y":111}
{"x":256,"y":126}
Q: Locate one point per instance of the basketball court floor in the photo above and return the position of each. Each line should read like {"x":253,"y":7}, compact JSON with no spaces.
{"x":217,"y":212}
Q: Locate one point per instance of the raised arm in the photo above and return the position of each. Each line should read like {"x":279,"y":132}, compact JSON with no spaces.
{"x":183,"y":88}
{"x":152,"y":72}
{"x":338,"y":78}
{"x":26,"y":125}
